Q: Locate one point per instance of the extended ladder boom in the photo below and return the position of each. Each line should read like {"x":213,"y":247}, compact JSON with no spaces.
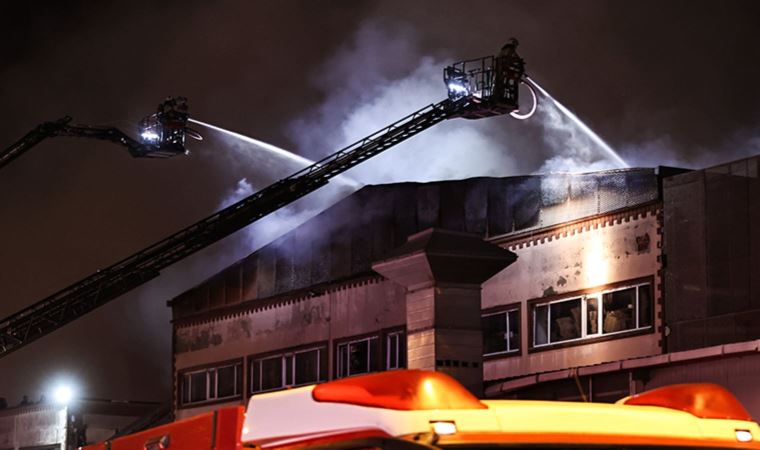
{"x":53,"y":312}
{"x":162,"y":134}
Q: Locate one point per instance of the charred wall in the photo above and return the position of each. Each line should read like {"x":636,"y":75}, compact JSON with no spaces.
{"x":712,"y":251}
{"x":344,"y":240}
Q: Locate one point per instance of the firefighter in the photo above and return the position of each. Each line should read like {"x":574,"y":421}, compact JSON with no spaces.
{"x":509,"y":69}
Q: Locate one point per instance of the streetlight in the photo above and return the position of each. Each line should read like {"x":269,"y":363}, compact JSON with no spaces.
{"x":63,"y":394}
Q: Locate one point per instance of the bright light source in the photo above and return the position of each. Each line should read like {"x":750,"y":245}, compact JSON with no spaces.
{"x":443,"y":428}
{"x":149,"y":136}
{"x":63,"y":394}
{"x":743,"y":435}
{"x":456,"y":87}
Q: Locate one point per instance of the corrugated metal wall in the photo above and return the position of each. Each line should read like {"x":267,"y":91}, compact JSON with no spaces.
{"x":344,"y":240}
{"x":712,"y":249}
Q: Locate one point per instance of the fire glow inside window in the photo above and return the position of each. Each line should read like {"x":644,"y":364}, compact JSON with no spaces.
{"x":501,"y":332}
{"x":286,"y":369}
{"x":611,"y":311}
{"x":213,"y":383}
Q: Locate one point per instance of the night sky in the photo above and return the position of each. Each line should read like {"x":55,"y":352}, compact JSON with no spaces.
{"x":663,"y":82}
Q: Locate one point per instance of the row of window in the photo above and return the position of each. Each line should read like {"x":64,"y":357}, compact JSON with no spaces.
{"x":580,"y":317}
{"x":293,"y":368}
{"x":585,"y":316}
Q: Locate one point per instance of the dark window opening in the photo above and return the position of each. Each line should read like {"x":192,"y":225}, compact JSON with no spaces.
{"x":395,"y":350}
{"x":357,"y":357}
{"x":214,"y":383}
{"x":288,"y":369}
{"x":501,"y":332}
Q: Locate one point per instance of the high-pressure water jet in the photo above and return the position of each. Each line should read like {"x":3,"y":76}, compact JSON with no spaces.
{"x":272,"y":148}
{"x":297,"y":159}
{"x":575,"y":119}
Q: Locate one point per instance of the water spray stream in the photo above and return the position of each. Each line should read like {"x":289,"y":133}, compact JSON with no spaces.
{"x":300,"y":160}
{"x":594,"y":137}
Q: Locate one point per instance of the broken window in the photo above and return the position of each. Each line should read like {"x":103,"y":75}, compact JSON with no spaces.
{"x":213,"y":383}
{"x":501,"y":332}
{"x":593,"y":314}
{"x":292,"y":368}
{"x":357,"y":357}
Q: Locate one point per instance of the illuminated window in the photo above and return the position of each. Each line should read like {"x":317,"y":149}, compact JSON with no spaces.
{"x":357,"y":356}
{"x":212,"y":383}
{"x":501,"y":332}
{"x":286,"y":369}
{"x":607,"y":312}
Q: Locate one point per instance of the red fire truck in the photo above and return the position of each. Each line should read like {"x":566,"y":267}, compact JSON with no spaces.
{"x":420,"y":410}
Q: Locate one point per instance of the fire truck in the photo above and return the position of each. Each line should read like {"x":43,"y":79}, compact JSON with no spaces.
{"x":423,"y":410}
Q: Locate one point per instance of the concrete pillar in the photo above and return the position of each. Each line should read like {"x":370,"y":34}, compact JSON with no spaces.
{"x":442,"y":272}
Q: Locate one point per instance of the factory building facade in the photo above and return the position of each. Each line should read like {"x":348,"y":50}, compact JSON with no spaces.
{"x":548,"y":286}
{"x":47,"y":425}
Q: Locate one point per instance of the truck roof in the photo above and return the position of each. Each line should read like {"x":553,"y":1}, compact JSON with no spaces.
{"x":432,"y":407}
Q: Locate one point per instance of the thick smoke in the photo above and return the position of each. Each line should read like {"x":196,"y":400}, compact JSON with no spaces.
{"x":282,"y":221}
{"x":383,"y":75}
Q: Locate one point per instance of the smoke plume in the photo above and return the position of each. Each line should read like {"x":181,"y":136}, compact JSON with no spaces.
{"x":383,"y":75}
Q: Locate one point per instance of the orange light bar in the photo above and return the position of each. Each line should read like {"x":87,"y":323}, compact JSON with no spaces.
{"x":705,"y":400}
{"x":399,"y":389}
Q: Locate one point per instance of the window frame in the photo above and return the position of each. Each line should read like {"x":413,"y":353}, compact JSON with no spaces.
{"x":505,"y":309}
{"x":385,"y":348}
{"x":379,"y":349}
{"x":585,"y":295}
{"x":185,"y":375}
{"x":283,"y":355}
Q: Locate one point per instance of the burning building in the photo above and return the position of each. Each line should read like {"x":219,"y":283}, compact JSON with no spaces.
{"x":566,"y":286}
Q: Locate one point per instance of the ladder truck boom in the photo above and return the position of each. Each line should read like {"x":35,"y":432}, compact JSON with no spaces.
{"x":67,"y":305}
{"x":162,"y":134}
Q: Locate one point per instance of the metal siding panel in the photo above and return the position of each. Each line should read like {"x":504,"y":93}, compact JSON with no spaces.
{"x":525,"y":197}
{"x":250,"y":270}
{"x":284,"y":264}
{"x":754,"y":238}
{"x":303,"y":256}
{"x":720,"y":330}
{"x":686,"y":335}
{"x":320,"y":267}
{"x":233,"y":284}
{"x":266,"y":273}
{"x":685,"y":280}
{"x":748,"y":325}
{"x":216,"y":292}
{"x":404,"y":213}
{"x":476,"y":206}
{"x":428,"y":205}
{"x":380,"y":227}
{"x":452,"y":209}
{"x":499,"y":210}
{"x":361,"y":247}
{"x":727,"y":243}
{"x":340,"y":254}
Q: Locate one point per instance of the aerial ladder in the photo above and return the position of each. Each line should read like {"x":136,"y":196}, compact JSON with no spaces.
{"x":477,"y":88}
{"x":161,"y":135}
